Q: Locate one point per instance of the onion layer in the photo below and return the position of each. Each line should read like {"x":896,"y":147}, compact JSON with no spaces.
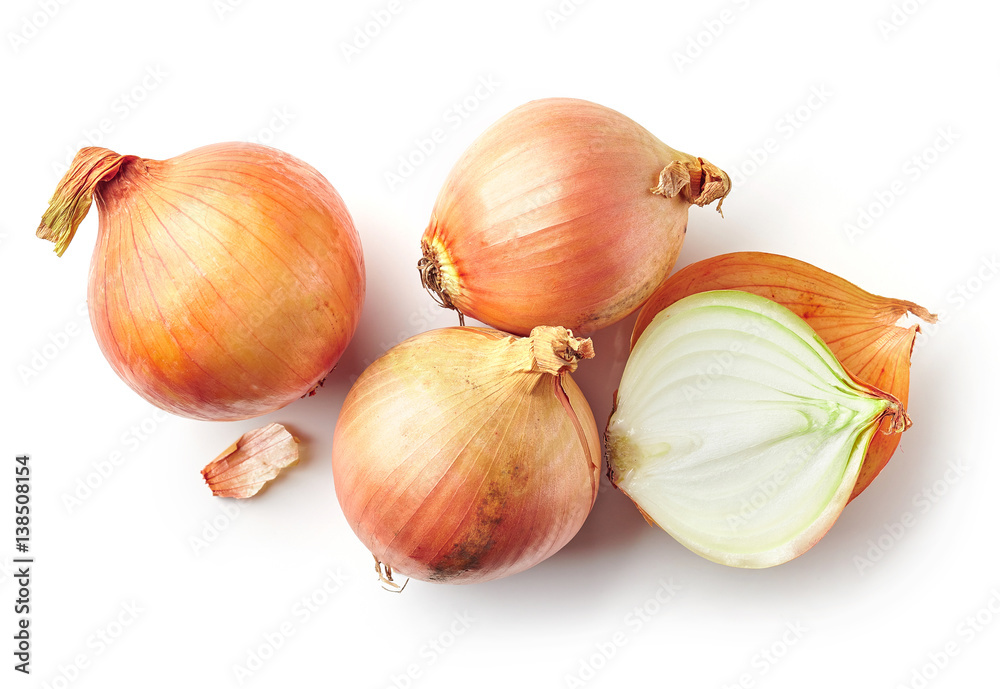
{"x":226,"y":282}
{"x":465,"y":454}
{"x":737,"y":430}
{"x":858,"y":327}
{"x":563,"y":212}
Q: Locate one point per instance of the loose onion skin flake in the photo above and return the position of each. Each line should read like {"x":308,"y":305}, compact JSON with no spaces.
{"x":247,"y":465}
{"x":858,"y":327}
{"x":465,"y":454}
{"x":738,"y":432}
{"x":226,"y":282}
{"x":563,"y":212}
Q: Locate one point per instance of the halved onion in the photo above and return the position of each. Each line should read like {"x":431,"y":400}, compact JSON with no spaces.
{"x":859,"y":327}
{"x":737,"y":431}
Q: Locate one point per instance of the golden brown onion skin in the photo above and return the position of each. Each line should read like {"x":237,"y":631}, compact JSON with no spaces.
{"x":452,"y":463}
{"x":551,"y":217}
{"x":226,"y":282}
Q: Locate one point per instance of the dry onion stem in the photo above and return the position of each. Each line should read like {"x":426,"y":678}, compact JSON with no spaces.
{"x":858,"y":327}
{"x":243,"y":469}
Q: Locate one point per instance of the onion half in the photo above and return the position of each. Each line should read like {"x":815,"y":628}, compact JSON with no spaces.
{"x":858,"y":327}
{"x":737,"y":431}
{"x":226,"y":282}
{"x":466,"y":454}
{"x":563,"y":212}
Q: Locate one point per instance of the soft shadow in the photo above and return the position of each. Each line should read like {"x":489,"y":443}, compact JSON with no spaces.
{"x":615,"y":522}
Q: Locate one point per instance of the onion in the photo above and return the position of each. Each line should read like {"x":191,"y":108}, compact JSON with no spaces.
{"x":737,"y":431}
{"x":859,"y":327}
{"x":466,"y":454}
{"x":226,"y":282}
{"x":563,"y":212}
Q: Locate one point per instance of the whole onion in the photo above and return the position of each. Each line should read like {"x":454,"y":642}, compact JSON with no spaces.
{"x":466,"y":454}
{"x":564,"y":212}
{"x":226,"y":282}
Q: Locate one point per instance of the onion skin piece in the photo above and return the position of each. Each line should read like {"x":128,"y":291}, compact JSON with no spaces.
{"x":254,"y":460}
{"x":858,"y":327}
{"x":563,"y":212}
{"x":226,"y":282}
{"x":465,"y":454}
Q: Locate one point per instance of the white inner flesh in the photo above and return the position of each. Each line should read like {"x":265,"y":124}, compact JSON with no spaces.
{"x":737,"y":431}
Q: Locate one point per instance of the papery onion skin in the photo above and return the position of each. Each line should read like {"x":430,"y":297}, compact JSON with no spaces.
{"x":859,"y":327}
{"x":455,"y":462}
{"x":563,"y":212}
{"x":254,"y":460}
{"x":226,"y":282}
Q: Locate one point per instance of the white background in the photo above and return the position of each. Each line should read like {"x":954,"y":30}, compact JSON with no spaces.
{"x":897,"y":79}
